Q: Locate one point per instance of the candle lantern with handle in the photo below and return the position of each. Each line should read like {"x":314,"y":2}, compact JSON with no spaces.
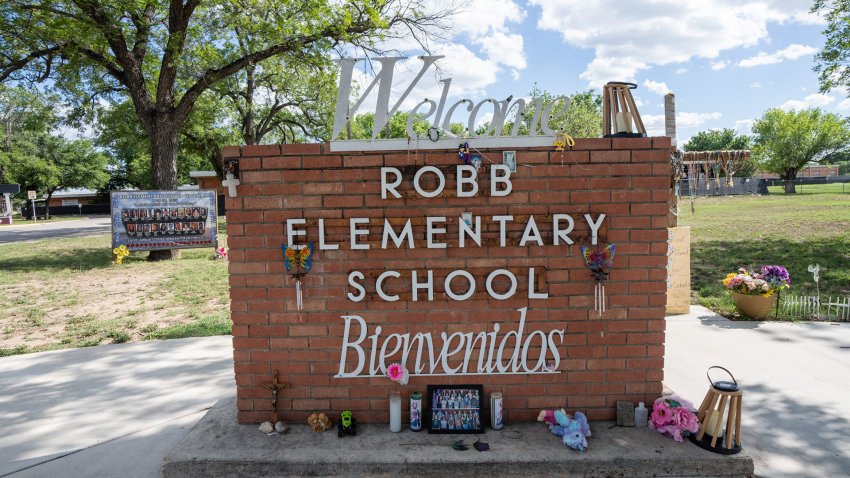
{"x":722,"y":402}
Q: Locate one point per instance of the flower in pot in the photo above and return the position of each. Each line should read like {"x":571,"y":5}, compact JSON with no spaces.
{"x":755,"y":292}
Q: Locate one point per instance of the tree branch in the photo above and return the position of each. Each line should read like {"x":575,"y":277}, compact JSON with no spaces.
{"x":15,"y":65}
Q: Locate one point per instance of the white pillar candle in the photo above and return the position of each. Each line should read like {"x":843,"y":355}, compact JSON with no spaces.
{"x":395,"y":412}
{"x":712,"y":422}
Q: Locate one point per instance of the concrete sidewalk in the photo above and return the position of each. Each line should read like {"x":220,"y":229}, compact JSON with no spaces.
{"x":796,"y":377}
{"x":118,"y":410}
{"x":113,"y":410}
{"x":34,"y":231}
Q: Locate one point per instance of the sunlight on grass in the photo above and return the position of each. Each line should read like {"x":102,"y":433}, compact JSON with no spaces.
{"x":751,"y":231}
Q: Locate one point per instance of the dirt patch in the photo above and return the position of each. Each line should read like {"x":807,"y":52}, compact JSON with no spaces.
{"x":91,"y":307}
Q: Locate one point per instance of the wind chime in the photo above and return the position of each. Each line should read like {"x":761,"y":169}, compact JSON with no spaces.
{"x":298,"y":260}
{"x":599,"y":262}
{"x":693,"y":182}
{"x":706,"y":170}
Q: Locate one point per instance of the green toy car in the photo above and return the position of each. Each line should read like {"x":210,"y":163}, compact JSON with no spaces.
{"x":347,"y":424}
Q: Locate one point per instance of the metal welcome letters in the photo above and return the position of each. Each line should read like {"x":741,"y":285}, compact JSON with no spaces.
{"x":438,"y":114}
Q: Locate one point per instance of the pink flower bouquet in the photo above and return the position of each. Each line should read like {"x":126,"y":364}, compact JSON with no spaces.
{"x":672,"y":416}
{"x":397,"y":373}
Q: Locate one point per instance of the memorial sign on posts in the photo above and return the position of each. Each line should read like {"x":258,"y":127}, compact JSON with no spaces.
{"x":154,"y":220}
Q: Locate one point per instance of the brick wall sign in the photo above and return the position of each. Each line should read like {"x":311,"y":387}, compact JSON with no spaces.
{"x":464,"y":275}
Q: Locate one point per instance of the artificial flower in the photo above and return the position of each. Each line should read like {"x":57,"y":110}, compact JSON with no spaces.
{"x":672,"y":416}
{"x":397,"y":373}
{"x":772,"y":279}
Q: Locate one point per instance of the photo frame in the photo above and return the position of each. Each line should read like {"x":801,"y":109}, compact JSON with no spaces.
{"x":509,"y":160}
{"x":455,"y":409}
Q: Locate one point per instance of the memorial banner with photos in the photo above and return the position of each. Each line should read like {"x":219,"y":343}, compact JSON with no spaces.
{"x":154,"y":220}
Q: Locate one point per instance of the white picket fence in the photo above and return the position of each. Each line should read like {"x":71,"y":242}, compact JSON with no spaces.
{"x":795,"y":307}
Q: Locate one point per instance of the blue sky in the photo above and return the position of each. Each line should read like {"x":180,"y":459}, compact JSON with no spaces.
{"x":726,"y":61}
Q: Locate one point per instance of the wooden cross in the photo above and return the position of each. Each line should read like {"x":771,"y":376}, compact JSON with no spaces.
{"x":230,"y":183}
{"x":275,"y":387}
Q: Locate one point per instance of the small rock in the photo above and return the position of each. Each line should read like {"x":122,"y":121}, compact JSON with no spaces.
{"x":267,"y":427}
{"x":280,"y":427}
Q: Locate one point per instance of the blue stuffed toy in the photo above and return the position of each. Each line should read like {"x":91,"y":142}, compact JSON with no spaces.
{"x":574,"y":431}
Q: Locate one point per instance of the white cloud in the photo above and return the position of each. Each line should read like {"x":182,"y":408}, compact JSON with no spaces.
{"x":657,"y":87}
{"x":681,"y":71}
{"x":756,"y":84}
{"x":655,"y":123}
{"x":744,"y":126}
{"x":481,"y":48}
{"x":844,"y":105}
{"x":628,"y":37}
{"x":816,"y":100}
{"x":791,"y":52}
{"x":719,"y":65}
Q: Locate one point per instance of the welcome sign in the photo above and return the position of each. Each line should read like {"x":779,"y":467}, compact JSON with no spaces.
{"x":439,"y":113}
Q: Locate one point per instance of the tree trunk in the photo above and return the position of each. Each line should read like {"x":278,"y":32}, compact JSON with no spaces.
{"x":164,"y":146}
{"x":47,"y":204}
{"x":249,"y":132}
{"x":790,"y":187}
{"x":789,"y":176}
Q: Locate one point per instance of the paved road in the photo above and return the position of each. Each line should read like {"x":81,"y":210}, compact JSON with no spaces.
{"x":34,"y":231}
{"x":116,"y":410}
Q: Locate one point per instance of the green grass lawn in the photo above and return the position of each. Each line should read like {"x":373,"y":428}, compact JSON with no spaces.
{"x":750,"y":231}
{"x":67,"y":293}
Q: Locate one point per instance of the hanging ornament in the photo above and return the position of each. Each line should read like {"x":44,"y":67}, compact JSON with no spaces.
{"x":563,"y":140}
{"x":599,"y":262}
{"x":298,"y":261}
{"x":463,"y":153}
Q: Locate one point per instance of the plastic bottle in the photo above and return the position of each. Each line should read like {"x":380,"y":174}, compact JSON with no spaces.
{"x":641,"y":415}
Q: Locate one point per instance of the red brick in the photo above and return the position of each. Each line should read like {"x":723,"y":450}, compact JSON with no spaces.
{"x":261,"y":150}
{"x":616,"y":356}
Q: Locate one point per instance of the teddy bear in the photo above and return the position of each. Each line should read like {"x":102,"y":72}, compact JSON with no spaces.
{"x":319,"y":422}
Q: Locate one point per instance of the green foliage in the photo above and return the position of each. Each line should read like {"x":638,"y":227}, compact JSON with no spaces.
{"x":788,"y":140}
{"x":718,"y":140}
{"x":282,"y":100}
{"x":164,"y":55}
{"x":49,"y":163}
{"x":832,"y":62}
{"x":583,"y":119}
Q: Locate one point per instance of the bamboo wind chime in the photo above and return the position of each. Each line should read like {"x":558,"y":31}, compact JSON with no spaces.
{"x":620,"y":116}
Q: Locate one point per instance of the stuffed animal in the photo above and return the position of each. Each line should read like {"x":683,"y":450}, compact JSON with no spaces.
{"x":573,"y":431}
{"x":547,"y":416}
{"x":319,"y":422}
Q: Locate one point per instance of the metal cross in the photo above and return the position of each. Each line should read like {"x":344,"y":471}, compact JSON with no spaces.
{"x":275,"y":387}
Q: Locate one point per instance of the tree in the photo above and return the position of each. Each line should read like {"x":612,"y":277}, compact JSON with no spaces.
{"x":58,"y":164}
{"x":583,"y":119}
{"x":832,"y":62}
{"x":718,"y":140}
{"x":24,"y":115}
{"x":788,"y":140}
{"x":164,"y":54}
{"x":282,"y":100}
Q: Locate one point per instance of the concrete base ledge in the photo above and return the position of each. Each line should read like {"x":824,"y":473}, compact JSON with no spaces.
{"x":219,"y":447}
